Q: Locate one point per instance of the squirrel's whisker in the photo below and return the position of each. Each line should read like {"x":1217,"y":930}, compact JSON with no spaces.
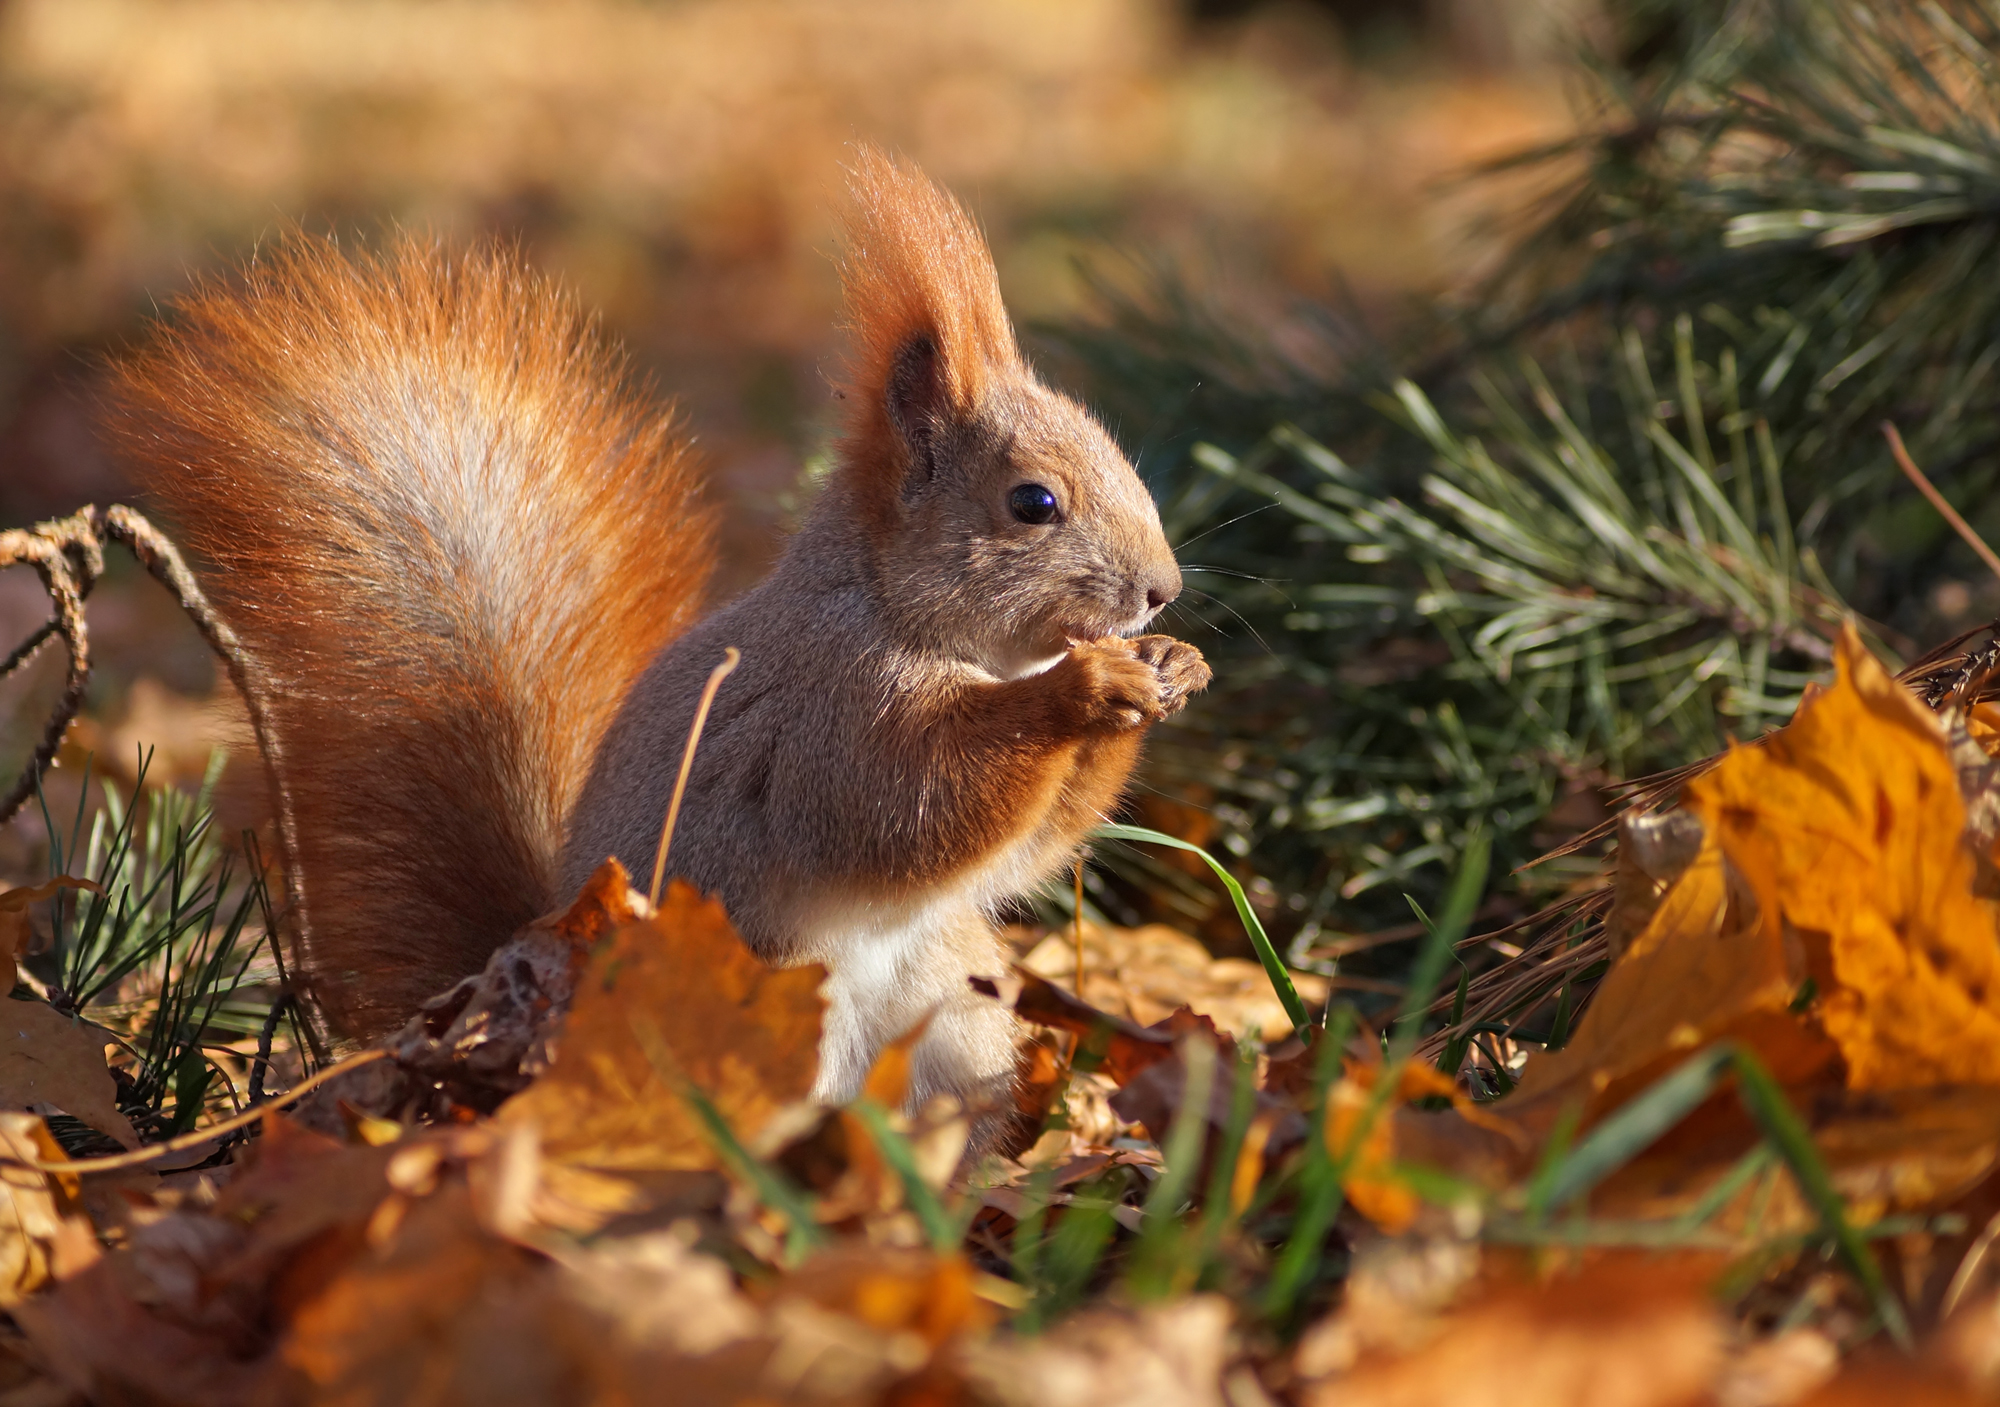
{"x":1186,"y":543}
{"x":1262,"y":644}
{"x":1228,"y":571}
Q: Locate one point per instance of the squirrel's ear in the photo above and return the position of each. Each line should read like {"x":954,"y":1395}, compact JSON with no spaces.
{"x":930,"y":334}
{"x":918,"y":400}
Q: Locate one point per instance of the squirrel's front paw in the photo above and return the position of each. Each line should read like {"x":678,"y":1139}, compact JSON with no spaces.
{"x":1179,"y":667}
{"x":1117,"y":688}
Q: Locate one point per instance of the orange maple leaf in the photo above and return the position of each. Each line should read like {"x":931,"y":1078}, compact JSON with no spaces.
{"x":747,"y":1035}
{"x":1849,"y":828}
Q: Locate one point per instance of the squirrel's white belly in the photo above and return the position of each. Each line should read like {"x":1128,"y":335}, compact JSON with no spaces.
{"x":891,"y":963}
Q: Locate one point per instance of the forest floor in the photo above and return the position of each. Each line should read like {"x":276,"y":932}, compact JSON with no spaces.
{"x":1762,"y":1166}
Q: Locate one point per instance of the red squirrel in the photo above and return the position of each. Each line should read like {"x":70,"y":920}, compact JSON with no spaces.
{"x":466,"y":558}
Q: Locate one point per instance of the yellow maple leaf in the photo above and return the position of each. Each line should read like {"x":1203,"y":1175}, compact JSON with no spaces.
{"x":1834,"y":850}
{"x":1849,"y":828}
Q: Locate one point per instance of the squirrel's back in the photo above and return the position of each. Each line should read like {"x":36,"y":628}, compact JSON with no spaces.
{"x":450,"y":535}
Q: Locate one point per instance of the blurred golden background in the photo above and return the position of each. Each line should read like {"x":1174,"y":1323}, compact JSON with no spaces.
{"x":678,"y":164}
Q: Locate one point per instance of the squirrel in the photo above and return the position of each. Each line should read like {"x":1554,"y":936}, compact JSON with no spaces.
{"x":466,"y":557}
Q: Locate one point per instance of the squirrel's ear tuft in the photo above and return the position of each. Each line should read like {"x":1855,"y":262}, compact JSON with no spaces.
{"x":923,"y":307}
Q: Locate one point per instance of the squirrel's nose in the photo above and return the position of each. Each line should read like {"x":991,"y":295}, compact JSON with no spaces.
{"x":1163,"y":588}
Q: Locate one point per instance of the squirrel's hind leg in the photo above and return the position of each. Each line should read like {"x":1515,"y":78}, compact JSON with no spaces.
{"x":969,"y":1049}
{"x":886,"y":980}
{"x":971,"y":1046}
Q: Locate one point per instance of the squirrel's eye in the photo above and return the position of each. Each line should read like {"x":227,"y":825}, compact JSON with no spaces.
{"x":1032,"y":503}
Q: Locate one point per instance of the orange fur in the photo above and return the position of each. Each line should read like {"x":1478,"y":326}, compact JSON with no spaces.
{"x":450,"y":537}
{"x":466,"y":564}
{"x":915,"y":265}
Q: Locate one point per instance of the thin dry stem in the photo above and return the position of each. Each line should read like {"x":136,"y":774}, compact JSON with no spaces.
{"x":1079,"y":926}
{"x":1929,"y":491}
{"x":731,"y":657}
{"x":156,"y":1151}
{"x":68,"y":556}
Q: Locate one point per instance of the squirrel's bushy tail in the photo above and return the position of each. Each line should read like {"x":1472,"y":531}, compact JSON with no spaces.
{"x":450,"y":535}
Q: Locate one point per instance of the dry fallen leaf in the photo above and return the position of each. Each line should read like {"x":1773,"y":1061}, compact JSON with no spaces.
{"x":108,"y":1346}
{"x":489,"y":1036}
{"x":1629,"y":1331}
{"x":1128,"y":1048}
{"x":1144,"y":974}
{"x":1887,"y":1151}
{"x":1157,"y":1096}
{"x":840,"y":1162}
{"x":152,"y":1320}
{"x":188,"y":1303}
{"x":1832,"y":852}
{"x":659,"y":1293}
{"x":745,"y":1034}
{"x":305,"y":1201}
{"x":410,"y":1311}
{"x":1701,"y":970}
{"x":1371,"y":1183}
{"x":891,"y":1291}
{"x":1397,"y":1289}
{"x":1892,"y":1384}
{"x":1776,"y":1371}
{"x":36,"y":1206}
{"x":436,"y":1309}
{"x":52,"y":1061}
{"x":1170,"y":1355}
{"x":1848,"y":827}
{"x":15,"y":930}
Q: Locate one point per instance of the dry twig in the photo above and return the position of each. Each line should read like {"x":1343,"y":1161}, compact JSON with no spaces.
{"x":68,"y":555}
{"x":153,"y":1152}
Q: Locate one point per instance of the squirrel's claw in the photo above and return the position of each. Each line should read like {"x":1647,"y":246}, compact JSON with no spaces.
{"x":1180,"y":667}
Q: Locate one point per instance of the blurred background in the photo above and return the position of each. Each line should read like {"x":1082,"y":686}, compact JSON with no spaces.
{"x":678,"y":164}
{"x":1509,"y":369}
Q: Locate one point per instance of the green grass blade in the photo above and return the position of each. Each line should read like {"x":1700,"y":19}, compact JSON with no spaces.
{"x":1453,"y":1054}
{"x":1030,"y":1238}
{"x":1274,"y":966}
{"x":941,"y":1225}
{"x":1319,"y":1190}
{"x":1555,"y":1153}
{"x":1787,"y":1132}
{"x":1638,"y":1123}
{"x":1078,"y":1244}
{"x":1728,"y":1185}
{"x":1633,"y":1127}
{"x":1161,"y":1239}
{"x":1454,"y":921}
{"x":1218,"y":1215}
{"x":773,"y":1188}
